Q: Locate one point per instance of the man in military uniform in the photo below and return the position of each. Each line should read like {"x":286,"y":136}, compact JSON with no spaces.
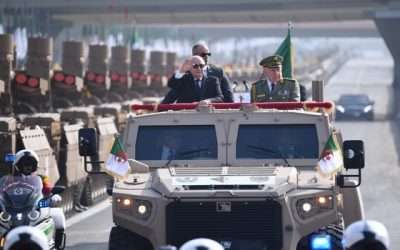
{"x":274,"y":88}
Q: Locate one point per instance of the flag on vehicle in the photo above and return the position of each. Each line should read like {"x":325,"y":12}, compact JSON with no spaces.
{"x":117,"y":163}
{"x":331,"y":160}
{"x":285,"y":51}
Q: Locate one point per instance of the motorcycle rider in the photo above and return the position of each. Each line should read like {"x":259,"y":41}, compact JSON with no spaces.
{"x":25,"y":166}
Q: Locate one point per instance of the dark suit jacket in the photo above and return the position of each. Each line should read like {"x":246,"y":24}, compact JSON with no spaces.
{"x":185,"y":90}
{"x":226,"y":89}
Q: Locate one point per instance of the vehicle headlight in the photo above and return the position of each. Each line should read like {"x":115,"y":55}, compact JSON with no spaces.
{"x":139,"y":208}
{"x":33,"y":215}
{"x":367,"y":108}
{"x":340,"y":108}
{"x":306,"y":206}
{"x":143,"y":209}
{"x":311,"y":206}
{"x":5,"y":217}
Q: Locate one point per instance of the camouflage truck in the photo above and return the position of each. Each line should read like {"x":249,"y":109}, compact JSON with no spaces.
{"x":242,"y":174}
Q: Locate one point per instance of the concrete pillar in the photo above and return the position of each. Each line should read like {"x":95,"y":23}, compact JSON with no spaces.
{"x":388,"y":23}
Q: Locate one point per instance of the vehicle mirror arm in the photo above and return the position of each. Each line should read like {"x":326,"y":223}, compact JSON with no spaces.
{"x":340,"y":180}
{"x":86,"y":162}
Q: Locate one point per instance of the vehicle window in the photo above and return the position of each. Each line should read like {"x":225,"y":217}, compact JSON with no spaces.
{"x":277,"y":141}
{"x":354,"y":99}
{"x":185,"y":142}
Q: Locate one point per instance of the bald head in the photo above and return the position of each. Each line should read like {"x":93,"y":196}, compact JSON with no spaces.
{"x":197,"y":60}
{"x":197,"y":67}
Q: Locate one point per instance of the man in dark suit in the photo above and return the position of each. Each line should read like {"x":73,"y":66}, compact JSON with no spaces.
{"x":190,"y":85}
{"x":201,"y":49}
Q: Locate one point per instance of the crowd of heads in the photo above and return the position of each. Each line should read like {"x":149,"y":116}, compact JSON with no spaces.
{"x":361,"y":235}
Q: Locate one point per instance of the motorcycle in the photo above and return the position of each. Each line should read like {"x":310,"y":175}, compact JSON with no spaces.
{"x":22,"y":204}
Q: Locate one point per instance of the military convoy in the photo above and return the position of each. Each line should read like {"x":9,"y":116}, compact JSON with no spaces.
{"x":43,"y":109}
{"x":245,"y":175}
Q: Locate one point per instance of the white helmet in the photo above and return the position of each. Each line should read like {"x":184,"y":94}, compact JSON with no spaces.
{"x":363,"y":234}
{"x":26,"y":158}
{"x":201,"y":244}
{"x":26,"y":237}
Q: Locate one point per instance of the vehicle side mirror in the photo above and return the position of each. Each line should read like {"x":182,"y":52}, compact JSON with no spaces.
{"x":353,"y":154}
{"x":87,"y":142}
{"x":57,"y":189}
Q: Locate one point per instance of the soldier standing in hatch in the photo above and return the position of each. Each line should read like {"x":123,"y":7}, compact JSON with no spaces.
{"x":274,"y":88}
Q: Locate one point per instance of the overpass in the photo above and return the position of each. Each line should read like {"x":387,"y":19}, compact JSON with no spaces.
{"x":205,"y":11}
{"x":54,"y":15}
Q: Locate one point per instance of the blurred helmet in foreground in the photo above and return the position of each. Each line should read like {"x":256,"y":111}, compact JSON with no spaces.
{"x":26,"y":237}
{"x":201,"y":244}
{"x":366,"y":234}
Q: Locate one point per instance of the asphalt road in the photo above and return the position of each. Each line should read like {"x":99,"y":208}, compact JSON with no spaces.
{"x":91,"y":229}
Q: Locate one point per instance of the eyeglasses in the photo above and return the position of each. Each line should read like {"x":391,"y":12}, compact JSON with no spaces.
{"x":205,"y":54}
{"x":198,"y":66}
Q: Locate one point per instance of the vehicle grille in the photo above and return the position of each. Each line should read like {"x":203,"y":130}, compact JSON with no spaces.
{"x":254,"y":220}
{"x":223,"y":187}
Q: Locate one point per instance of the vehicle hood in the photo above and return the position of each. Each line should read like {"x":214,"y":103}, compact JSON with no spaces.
{"x":224,"y":181}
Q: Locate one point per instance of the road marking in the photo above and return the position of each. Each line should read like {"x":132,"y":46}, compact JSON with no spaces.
{"x":90,"y":212}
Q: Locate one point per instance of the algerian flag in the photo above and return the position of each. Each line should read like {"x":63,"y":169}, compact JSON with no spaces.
{"x":117,"y":164}
{"x":331,"y":160}
{"x":285,"y":51}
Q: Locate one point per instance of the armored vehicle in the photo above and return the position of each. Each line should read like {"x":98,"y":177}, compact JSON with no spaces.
{"x":242,"y":174}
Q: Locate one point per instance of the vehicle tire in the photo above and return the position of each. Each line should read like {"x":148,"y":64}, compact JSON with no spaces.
{"x":335,"y":231}
{"x":123,"y":239}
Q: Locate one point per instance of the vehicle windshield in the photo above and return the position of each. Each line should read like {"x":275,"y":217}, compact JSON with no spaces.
{"x":283,"y":141}
{"x":185,"y":142}
{"x":354,"y":99}
{"x":20,"y":191}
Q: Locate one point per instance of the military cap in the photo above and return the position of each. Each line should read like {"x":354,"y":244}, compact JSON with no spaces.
{"x":272,"y":61}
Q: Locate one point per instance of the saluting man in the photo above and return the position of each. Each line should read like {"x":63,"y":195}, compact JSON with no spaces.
{"x":274,"y":88}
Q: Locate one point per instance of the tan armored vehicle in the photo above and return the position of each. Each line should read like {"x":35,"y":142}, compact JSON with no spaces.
{"x":244,"y":175}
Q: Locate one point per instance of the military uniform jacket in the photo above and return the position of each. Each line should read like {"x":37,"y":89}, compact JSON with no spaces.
{"x":285,"y":90}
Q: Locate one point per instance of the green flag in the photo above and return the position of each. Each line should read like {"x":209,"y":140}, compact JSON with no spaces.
{"x":117,"y":163}
{"x":331,"y":159}
{"x":285,"y":51}
{"x":134,"y":37}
